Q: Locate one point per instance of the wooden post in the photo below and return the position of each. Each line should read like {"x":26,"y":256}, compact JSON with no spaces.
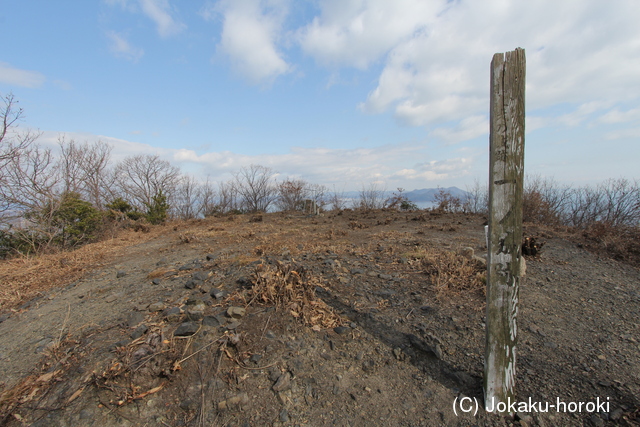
{"x":506,"y":172}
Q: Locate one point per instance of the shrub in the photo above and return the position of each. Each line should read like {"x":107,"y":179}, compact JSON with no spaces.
{"x":157,"y":209}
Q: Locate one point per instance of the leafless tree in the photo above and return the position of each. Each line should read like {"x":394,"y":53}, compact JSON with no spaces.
{"x":319,"y":194}
{"x":208,"y":204}
{"x":142,"y":177}
{"x":337,"y":199}
{"x":14,"y":145}
{"x":477,"y":199}
{"x":187,"y":198}
{"x":255,"y":186}
{"x":228,"y":197}
{"x":85,"y":169}
{"x":291,"y":194}
{"x":370,"y":198}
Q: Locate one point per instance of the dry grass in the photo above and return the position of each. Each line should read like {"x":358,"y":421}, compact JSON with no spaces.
{"x":291,"y":287}
{"x":450,"y":272}
{"x":24,"y":278}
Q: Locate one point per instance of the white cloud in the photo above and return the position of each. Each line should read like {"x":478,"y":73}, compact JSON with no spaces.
{"x":617,"y":116}
{"x":121,"y":48}
{"x":467,"y":129}
{"x":17,"y":77}
{"x":436,"y":62}
{"x":391,"y":166}
{"x":624,"y":134}
{"x":357,"y":32}
{"x":250,"y":32}
{"x":159,"y":12}
{"x":582,"y":113}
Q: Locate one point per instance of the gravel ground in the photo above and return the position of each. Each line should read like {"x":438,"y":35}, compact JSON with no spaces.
{"x":172,"y":333}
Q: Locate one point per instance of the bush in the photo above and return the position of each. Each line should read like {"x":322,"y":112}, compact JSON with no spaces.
{"x":157,"y":210}
{"x":78,"y":220}
{"x":120,"y":208}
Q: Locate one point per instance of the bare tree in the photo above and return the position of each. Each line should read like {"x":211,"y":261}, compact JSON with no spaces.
{"x":370,"y":198}
{"x":291,"y":194}
{"x":142,"y":177}
{"x":85,"y":169}
{"x":228,"y":197}
{"x":187,"y":198}
{"x":208,"y":205}
{"x":477,"y":199}
{"x":337,"y":199}
{"x":14,"y":145}
{"x":255,"y":186}
{"x":318,"y":193}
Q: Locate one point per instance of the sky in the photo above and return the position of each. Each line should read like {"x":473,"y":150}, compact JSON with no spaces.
{"x":344,"y":93}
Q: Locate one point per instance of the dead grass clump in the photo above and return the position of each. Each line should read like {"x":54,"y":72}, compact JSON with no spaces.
{"x":452,"y":273}
{"x":291,"y":287}
{"x":357,"y":225}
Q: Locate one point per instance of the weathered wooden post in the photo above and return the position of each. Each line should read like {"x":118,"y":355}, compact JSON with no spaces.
{"x":506,"y":172}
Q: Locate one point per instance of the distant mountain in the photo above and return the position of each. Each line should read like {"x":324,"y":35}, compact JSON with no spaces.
{"x":427,"y":195}
{"x":424,"y":198}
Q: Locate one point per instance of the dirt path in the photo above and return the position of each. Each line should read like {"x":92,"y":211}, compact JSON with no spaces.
{"x":150,"y":339}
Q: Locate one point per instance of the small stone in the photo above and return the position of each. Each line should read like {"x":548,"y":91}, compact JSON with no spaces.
{"x":211,"y":257}
{"x":341,"y":329}
{"x":134,"y":319}
{"x":616,"y":414}
{"x":120,"y":273}
{"x":255,"y":358}
{"x":191,"y":284}
{"x":233,"y":325}
{"x":236,"y":312}
{"x":213,"y":321}
{"x":596,"y":420}
{"x":217,"y":293}
{"x":156,"y":281}
{"x":283,"y":382}
{"x":173,"y":314}
{"x":385,"y":276}
{"x":186,"y":329}
{"x":284,"y":415}
{"x":270,"y":334}
{"x":550,"y":344}
{"x":201,"y":275}
{"x":140,"y":331}
{"x":156,"y":306}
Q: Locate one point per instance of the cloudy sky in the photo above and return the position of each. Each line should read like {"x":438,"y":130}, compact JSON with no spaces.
{"x":337,"y":92}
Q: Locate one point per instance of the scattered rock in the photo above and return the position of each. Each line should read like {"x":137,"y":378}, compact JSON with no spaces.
{"x":156,"y":306}
{"x":120,"y":273}
{"x":212,"y":321}
{"x":236,"y":312}
{"x":341,"y":329}
{"x":134,"y":319}
{"x":192,"y":284}
{"x":283,"y":382}
{"x":234,"y":402}
{"x":201,"y":275}
{"x":186,"y":329}
{"x":217,"y":293}
{"x":140,"y":331}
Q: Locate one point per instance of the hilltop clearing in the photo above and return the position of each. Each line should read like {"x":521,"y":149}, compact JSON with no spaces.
{"x":345,"y":319}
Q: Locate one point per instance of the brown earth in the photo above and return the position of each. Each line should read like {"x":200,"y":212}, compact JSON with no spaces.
{"x":344,"y":319}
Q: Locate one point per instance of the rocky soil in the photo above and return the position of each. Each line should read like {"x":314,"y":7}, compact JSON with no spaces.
{"x":354,"y":325}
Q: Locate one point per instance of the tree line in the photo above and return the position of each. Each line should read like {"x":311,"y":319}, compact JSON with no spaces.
{"x":71,"y":196}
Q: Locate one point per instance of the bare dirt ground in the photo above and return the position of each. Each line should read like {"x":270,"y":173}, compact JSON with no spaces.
{"x":344,"y":319}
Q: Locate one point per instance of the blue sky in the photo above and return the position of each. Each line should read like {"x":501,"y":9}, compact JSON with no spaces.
{"x":337,"y":92}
